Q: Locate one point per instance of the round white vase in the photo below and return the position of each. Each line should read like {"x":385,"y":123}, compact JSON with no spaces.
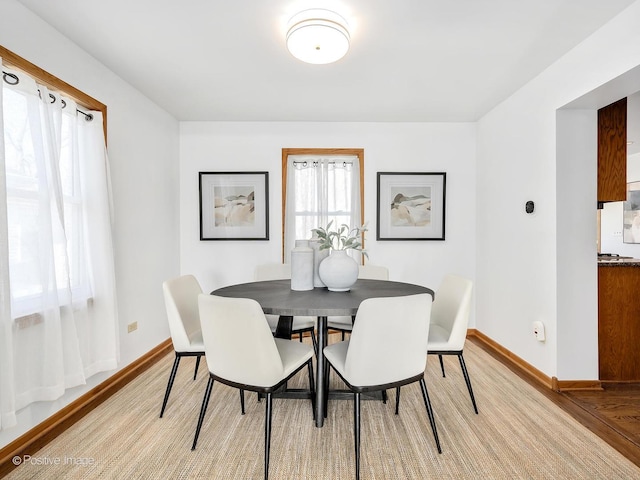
{"x":338,"y":271}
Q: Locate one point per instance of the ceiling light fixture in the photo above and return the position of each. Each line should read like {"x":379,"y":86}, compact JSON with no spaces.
{"x":318,"y":36}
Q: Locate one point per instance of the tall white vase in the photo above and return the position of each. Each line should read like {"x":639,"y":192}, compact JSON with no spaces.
{"x":338,"y":271}
{"x":318,"y":257}
{"x":302,"y":266}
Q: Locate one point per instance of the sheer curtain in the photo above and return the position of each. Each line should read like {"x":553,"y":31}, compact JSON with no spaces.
{"x":320,"y":189}
{"x":59,"y":318}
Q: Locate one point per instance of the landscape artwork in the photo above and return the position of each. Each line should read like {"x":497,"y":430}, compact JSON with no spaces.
{"x":234,"y":206}
{"x":411,"y":206}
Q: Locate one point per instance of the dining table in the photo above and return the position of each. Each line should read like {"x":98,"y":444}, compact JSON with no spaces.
{"x":276,"y":297}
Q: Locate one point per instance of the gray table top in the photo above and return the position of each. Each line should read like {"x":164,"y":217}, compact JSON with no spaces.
{"x":276,"y":296}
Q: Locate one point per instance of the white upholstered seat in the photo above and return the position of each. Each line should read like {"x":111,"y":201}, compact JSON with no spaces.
{"x":377,"y":357}
{"x":449,"y":323}
{"x":181,"y":302}
{"x":241,"y":352}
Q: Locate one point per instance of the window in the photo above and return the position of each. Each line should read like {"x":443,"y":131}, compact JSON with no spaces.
{"x":319,"y":186}
{"x":58,"y":312}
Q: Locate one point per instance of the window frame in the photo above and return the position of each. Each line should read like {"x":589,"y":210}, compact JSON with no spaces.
{"x":359,"y":152}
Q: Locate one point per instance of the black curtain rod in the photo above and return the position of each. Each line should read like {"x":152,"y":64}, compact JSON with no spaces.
{"x":315,"y":163}
{"x":12,"y":79}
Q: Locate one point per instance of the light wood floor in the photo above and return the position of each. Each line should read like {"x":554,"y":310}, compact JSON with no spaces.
{"x":613,"y":413}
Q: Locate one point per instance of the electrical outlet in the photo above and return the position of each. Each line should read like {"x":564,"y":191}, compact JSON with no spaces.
{"x":132,"y":327}
{"x":617,"y":233}
{"x":538,"y":331}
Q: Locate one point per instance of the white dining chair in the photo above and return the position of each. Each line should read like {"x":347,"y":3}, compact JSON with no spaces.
{"x":181,"y":302}
{"x":377,"y":357}
{"x":344,"y":323}
{"x":301,"y":324}
{"x":242,"y":353}
{"x":449,"y":323}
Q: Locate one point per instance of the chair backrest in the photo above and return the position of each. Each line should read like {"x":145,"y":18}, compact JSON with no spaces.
{"x":181,"y":302}
{"x":378,"y":352}
{"x":451,"y":308}
{"x":373,"y":272}
{"x":273,"y":271}
{"x":238,"y":343}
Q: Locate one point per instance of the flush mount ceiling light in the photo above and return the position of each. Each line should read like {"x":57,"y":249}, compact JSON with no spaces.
{"x":318,"y":36}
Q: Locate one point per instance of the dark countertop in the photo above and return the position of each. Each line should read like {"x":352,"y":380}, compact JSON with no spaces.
{"x":618,"y":262}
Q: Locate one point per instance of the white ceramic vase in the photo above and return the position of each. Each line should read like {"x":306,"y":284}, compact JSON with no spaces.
{"x":338,"y":271}
{"x":318,"y":257}
{"x":302,"y":266}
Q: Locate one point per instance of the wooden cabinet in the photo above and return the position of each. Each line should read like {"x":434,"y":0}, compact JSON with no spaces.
{"x":612,"y":152}
{"x":619,"y":323}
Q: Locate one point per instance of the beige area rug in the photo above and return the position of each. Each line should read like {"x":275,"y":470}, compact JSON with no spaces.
{"x":517,"y":435}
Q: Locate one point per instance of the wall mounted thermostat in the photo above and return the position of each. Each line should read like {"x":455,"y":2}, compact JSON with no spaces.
{"x":529,"y":206}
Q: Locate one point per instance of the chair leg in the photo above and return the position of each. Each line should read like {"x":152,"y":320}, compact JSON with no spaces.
{"x":315,"y":342}
{"x":172,"y":377}
{"x":432,"y":420}
{"x":195,"y":374}
{"x":468,"y":381}
{"x":203,"y":410}
{"x":356,"y":431}
{"x":441,"y":365}
{"x":397,"y":400}
{"x":326,"y":387}
{"x":312,"y":388}
{"x":242,"y":401}
{"x":342,"y":335}
{"x":267,"y":434}
{"x":384,"y":397}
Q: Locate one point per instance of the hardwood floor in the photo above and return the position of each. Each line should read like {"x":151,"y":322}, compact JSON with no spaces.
{"x":613,"y":413}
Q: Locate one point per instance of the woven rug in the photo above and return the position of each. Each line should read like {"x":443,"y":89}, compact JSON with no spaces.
{"x":518,"y":434}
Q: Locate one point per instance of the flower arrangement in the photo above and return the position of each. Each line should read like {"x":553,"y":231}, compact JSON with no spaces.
{"x":343,"y":238}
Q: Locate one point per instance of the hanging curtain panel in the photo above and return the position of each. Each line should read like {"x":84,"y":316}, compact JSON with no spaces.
{"x":62,"y":326}
{"x":320,"y":189}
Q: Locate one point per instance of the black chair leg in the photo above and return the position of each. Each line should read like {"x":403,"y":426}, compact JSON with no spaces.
{"x":468,"y":381}
{"x":342,"y":335}
{"x":242,"y":401}
{"x":195,"y":374}
{"x":203,"y":410}
{"x":397,"y":400}
{"x":356,"y":431}
{"x":427,"y":403}
{"x":384,"y":397}
{"x":267,"y":435}
{"x":441,"y":365}
{"x":312,"y":388}
{"x":315,"y":343}
{"x":172,"y":377}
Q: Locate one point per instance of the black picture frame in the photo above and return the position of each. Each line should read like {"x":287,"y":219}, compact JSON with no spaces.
{"x":234,"y":205}
{"x":411,"y":205}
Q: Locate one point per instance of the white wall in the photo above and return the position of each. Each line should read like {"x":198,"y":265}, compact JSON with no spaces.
{"x":446,"y":147}
{"x":143,"y":146}
{"x":519,"y":256}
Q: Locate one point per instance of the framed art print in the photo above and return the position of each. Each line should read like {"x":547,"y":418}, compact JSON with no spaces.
{"x":234,"y":205}
{"x":411,"y":206}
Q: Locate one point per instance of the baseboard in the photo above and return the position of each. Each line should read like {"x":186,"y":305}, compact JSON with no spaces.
{"x":511,"y":358}
{"x":549,"y":382}
{"x":53,"y":426}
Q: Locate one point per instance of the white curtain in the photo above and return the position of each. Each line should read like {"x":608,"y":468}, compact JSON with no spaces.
{"x":56,"y":254}
{"x":320,"y":189}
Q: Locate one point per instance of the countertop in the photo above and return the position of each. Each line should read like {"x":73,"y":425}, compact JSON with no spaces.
{"x":618,"y":262}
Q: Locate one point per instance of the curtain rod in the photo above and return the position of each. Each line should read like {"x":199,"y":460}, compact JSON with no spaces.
{"x":13,"y":79}
{"x":315,"y":163}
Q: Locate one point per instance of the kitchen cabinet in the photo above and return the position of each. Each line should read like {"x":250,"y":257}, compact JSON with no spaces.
{"x":619,"y":320}
{"x":612,"y":152}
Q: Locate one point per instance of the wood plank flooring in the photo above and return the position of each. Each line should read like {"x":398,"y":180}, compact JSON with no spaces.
{"x":613,"y":413}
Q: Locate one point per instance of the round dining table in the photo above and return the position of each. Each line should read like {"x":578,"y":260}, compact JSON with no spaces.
{"x":276,"y":297}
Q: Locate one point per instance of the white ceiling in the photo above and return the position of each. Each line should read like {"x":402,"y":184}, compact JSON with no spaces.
{"x":410,"y":60}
